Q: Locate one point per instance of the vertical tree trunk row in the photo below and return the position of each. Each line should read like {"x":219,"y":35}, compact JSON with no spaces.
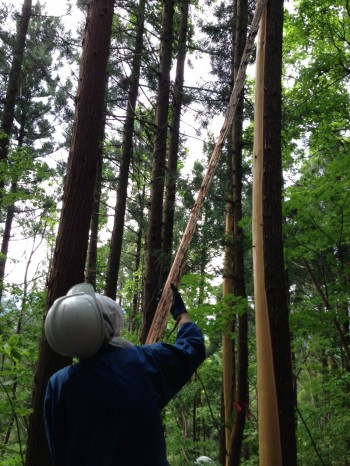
{"x":174,"y":140}
{"x":153,"y":272}
{"x":161,"y":315}
{"x":113,"y":263}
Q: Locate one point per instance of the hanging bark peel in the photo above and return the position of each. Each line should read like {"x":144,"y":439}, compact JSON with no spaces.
{"x":161,"y":315}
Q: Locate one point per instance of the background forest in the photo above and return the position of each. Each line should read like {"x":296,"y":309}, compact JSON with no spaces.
{"x":169,"y":76}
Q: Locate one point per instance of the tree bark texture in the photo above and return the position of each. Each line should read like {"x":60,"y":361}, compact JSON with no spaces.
{"x":228,"y":342}
{"x":91,"y":263}
{"x":269,"y":432}
{"x":228,"y":347}
{"x":275,"y":278}
{"x":174,"y":140}
{"x":72,"y":239}
{"x":115,"y":251}
{"x":161,"y":315}
{"x":242,"y":389}
{"x":152,"y":278}
{"x":13,"y":89}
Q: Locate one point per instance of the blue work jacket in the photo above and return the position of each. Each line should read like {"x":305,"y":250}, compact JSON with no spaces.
{"x":106,"y":411}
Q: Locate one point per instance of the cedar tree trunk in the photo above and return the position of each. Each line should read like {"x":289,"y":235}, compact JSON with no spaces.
{"x":275,"y":278}
{"x":241,"y":395}
{"x":72,"y":239}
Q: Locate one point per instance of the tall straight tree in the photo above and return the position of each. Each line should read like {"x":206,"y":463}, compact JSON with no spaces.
{"x":239,"y":289}
{"x":269,"y":433}
{"x":274,"y":270}
{"x":13,"y":89}
{"x":228,"y":357}
{"x":228,"y":344}
{"x":91,"y":266}
{"x":174,"y":140}
{"x":275,"y":384}
{"x":72,"y":240}
{"x":153,"y":276}
{"x":115,"y":251}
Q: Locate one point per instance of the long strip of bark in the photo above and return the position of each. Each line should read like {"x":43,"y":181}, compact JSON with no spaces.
{"x":160,"y":318}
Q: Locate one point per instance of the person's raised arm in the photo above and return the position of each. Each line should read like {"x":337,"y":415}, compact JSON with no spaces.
{"x":178,"y":309}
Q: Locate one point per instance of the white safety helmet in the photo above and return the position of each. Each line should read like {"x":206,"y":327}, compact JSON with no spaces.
{"x":79,"y":323}
{"x":203,"y":460}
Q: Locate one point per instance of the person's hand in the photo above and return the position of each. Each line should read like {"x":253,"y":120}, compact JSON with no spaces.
{"x":178,"y":307}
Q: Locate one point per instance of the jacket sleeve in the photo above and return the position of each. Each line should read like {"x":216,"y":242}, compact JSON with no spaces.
{"x":171,"y":366}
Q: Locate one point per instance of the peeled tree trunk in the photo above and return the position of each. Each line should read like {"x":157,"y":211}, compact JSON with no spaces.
{"x":73,"y":233}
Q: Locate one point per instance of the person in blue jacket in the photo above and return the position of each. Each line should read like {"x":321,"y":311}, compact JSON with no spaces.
{"x":105,"y":410}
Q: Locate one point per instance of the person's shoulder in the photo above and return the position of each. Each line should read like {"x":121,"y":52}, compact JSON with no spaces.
{"x":63,"y":374}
